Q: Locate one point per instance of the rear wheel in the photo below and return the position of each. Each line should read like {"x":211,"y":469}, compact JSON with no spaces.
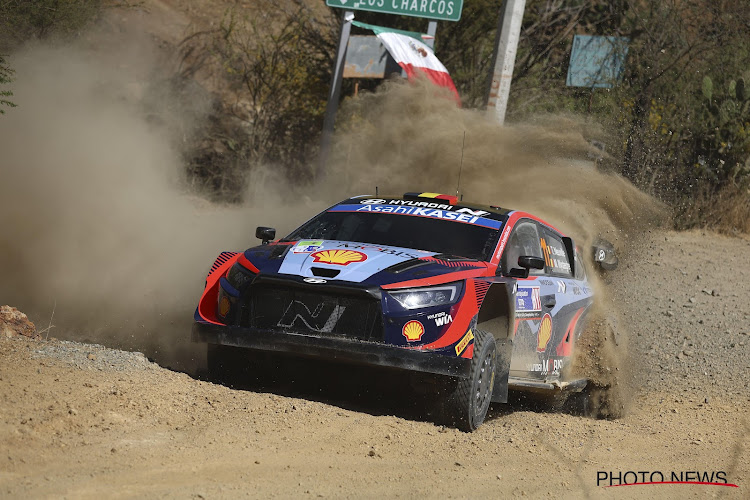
{"x":468,"y":404}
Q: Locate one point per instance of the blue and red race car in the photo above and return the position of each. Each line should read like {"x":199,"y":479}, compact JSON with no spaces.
{"x":486,"y":297}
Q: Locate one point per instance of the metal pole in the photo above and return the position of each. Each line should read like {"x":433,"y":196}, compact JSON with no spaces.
{"x":334,"y":94}
{"x":506,"y":45}
{"x":431,"y":30}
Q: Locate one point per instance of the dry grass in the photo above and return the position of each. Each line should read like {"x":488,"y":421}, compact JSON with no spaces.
{"x":726,"y":211}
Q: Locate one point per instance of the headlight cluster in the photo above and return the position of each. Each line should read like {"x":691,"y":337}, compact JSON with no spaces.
{"x":238,"y":276}
{"x":236,"y":279}
{"x":417,"y":298}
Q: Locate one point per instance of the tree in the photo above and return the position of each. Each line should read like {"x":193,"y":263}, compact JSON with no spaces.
{"x":6,"y":74}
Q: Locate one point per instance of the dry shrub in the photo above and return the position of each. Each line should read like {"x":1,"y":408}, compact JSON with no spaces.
{"x":726,"y":210}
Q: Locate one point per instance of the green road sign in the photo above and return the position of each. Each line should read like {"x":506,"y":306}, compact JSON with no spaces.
{"x":445,"y":10}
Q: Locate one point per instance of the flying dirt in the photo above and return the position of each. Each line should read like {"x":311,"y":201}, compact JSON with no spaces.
{"x":104,"y":239}
{"x":108,"y":243}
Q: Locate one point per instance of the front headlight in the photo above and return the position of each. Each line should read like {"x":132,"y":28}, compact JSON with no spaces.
{"x":238,"y":276}
{"x":417,"y":298}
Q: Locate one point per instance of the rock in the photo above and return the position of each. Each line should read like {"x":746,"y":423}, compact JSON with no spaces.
{"x":13,"y":323}
{"x":669,"y":314}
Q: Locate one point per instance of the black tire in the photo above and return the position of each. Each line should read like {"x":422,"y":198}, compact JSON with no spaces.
{"x":226,"y":363}
{"x":468,"y":404}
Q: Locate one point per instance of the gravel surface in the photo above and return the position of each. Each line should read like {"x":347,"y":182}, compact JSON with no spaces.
{"x":79,"y":420}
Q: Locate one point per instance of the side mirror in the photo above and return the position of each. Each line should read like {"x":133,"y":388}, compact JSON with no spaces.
{"x":265,"y":234}
{"x":530,"y":262}
{"x":526,"y":262}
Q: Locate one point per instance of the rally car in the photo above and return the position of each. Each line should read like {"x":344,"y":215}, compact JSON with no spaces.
{"x":482,"y":296}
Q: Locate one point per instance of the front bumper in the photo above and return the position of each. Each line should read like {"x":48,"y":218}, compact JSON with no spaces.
{"x":332,"y":348}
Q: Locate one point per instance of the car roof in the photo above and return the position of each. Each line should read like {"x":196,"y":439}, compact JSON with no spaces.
{"x":445,"y":202}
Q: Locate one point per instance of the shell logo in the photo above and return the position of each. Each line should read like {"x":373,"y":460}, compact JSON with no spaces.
{"x":338,"y":257}
{"x":545,"y":333}
{"x":413,"y":331}
{"x":224,"y":306}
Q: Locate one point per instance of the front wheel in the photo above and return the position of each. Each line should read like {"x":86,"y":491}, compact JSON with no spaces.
{"x":467,"y":405}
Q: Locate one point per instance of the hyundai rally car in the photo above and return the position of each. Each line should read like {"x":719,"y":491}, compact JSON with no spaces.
{"x":486,"y":297}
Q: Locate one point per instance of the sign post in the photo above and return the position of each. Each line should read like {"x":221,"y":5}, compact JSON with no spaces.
{"x":334,"y":93}
{"x":506,"y":44}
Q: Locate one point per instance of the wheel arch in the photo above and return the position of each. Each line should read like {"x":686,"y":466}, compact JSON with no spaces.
{"x":496,"y":315}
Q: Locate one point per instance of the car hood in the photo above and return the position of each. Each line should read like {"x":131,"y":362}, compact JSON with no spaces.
{"x":353,"y":262}
{"x":342,"y":260}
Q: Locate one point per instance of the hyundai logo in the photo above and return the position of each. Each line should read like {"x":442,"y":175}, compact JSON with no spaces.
{"x":315,"y":281}
{"x":373,"y":201}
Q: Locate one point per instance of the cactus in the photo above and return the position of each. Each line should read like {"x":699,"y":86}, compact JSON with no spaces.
{"x":740,"y":91}
{"x":708,"y":87}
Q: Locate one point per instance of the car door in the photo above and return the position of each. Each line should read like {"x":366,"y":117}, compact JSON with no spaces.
{"x":554,"y":334}
{"x":534,"y":297}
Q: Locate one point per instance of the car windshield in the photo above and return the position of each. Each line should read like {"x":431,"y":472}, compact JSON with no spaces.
{"x":421,"y":233}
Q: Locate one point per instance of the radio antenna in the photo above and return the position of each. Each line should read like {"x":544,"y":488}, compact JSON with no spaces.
{"x":376,"y":190}
{"x":461,"y":165}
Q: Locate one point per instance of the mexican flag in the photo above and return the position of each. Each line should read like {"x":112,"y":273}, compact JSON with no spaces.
{"x":412,"y":54}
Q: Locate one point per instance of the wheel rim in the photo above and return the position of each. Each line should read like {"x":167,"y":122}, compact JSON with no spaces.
{"x":484,"y":381}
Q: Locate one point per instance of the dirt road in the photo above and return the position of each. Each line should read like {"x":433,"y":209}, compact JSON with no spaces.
{"x":82,"y":421}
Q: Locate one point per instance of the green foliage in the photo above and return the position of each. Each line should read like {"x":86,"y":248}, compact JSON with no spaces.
{"x":21,"y":20}
{"x":6,"y":76}
{"x":277,"y":77}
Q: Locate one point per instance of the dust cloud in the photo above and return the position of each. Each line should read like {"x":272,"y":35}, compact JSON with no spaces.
{"x":98,"y":225}
{"x":407,"y":138}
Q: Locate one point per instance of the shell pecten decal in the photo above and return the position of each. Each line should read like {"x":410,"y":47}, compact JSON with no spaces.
{"x":413,"y":330}
{"x":545,"y":333}
{"x":338,"y":257}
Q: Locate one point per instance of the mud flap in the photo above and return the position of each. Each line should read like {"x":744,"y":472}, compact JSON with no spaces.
{"x":504,"y":351}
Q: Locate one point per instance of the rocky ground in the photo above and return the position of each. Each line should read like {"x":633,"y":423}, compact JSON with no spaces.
{"x":83,"y":421}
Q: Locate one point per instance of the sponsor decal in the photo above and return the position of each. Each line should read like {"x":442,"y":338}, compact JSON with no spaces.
{"x":544,"y":334}
{"x":426,"y":204}
{"x":322,"y":319}
{"x":413,"y":331}
{"x":464,"y":342}
{"x":547,"y":282}
{"x":373,"y":201}
{"x":389,"y":251}
{"x":610,"y":478}
{"x":315,"y":281}
{"x":503,"y":241}
{"x":441,"y":318}
{"x":464,"y":215}
{"x":549,"y":366}
{"x":528,"y":302}
{"x":561,"y":287}
{"x":307,"y":246}
{"x":555,"y":256}
{"x":224,"y":306}
{"x":338,"y":257}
